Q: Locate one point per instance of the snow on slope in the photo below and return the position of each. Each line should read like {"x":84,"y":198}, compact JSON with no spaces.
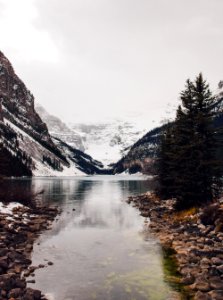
{"x":59,"y":129}
{"x":105,"y":141}
{"x":108,"y":142}
{"x":36,"y":151}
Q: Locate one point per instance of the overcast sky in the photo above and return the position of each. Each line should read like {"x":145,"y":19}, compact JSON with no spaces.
{"x":98,"y":59}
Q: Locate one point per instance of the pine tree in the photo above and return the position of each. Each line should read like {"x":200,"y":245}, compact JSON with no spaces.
{"x":164,"y":164}
{"x":192,"y":165}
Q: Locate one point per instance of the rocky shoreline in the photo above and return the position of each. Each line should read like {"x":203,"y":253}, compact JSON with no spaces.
{"x":195,"y":237}
{"x":19,"y":228}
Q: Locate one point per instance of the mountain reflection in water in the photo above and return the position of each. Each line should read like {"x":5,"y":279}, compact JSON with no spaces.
{"x":99,"y":245}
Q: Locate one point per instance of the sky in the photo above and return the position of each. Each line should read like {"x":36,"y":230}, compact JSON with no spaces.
{"x":96,"y":60}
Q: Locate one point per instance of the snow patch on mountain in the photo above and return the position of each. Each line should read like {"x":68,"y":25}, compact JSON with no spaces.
{"x":108,"y":142}
{"x":37,"y":151}
{"x":59,"y":129}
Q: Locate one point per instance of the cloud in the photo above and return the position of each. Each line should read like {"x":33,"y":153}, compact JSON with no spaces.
{"x":20,"y":37}
{"x":90,"y":60}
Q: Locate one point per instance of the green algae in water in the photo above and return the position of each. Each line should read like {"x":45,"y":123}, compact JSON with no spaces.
{"x":171,"y":274}
{"x":140,"y":284}
{"x":150,"y":282}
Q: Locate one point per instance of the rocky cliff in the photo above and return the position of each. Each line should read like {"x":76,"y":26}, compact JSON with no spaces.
{"x":26,"y":146}
{"x":59,"y":129}
{"x":18,"y":105}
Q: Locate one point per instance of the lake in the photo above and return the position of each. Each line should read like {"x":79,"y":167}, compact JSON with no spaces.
{"x":100,"y":246}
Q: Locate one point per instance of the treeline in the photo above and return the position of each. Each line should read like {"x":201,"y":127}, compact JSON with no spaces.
{"x":12,"y":165}
{"x":13,"y":161}
{"x":189,"y":166}
{"x":52,"y":162}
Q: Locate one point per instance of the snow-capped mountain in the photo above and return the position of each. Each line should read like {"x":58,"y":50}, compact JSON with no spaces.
{"x":26,"y":146}
{"x":59,"y":129}
{"x":108,"y":142}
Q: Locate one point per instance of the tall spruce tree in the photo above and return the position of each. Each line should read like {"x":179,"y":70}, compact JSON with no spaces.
{"x":192,"y":164}
{"x":164,"y":163}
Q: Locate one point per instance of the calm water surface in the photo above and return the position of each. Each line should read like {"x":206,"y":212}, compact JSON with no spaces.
{"x":101,"y":250}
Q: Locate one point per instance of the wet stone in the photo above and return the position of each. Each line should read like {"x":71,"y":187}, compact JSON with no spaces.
{"x":217,"y":261}
{"x":216,"y":294}
{"x":216,"y":283}
{"x":201,"y":296}
{"x":31,"y":294}
{"x":15,"y":293}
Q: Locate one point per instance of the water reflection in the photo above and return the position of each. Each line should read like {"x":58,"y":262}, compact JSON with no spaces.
{"x":102,"y":207}
{"x":100,"y":250}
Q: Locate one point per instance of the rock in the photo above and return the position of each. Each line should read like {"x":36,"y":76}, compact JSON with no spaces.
{"x":213,"y":271}
{"x":201,"y":296}
{"x":50,"y":263}
{"x":31,"y":294}
{"x":219,"y":227}
{"x":220,"y":269}
{"x":185,"y":271}
{"x":15,"y":293}
{"x":205,"y":260}
{"x":7,"y":282}
{"x":201,"y":284}
{"x":35,"y":227}
{"x":27,"y":273}
{"x":194,"y":259}
{"x":217,"y":261}
{"x":3,"y":293}
{"x":29,"y":247}
{"x":196,"y":272}
{"x":18,"y":269}
{"x":216,"y":283}
{"x":3,"y":251}
{"x":188,"y":280}
{"x":31,"y":281}
{"x":16,"y":243}
{"x":32,"y":269}
{"x":4,"y":262}
{"x":145,"y":214}
{"x":216,"y":294}
{"x":20,"y":283}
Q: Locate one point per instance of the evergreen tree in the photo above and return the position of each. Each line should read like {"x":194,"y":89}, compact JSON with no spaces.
{"x":192,"y":165}
{"x":164,"y":164}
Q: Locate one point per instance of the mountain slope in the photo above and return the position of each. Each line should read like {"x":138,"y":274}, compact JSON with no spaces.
{"x":81,"y":160}
{"x":26,"y":146}
{"x":18,"y":106}
{"x":142,"y":154}
{"x":108,"y":141}
{"x":59,"y":129}
{"x":13,"y":161}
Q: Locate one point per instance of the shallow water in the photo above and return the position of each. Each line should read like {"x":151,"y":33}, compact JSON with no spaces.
{"x":101,"y":250}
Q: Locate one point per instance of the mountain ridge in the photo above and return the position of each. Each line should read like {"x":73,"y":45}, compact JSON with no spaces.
{"x":24,"y":137}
